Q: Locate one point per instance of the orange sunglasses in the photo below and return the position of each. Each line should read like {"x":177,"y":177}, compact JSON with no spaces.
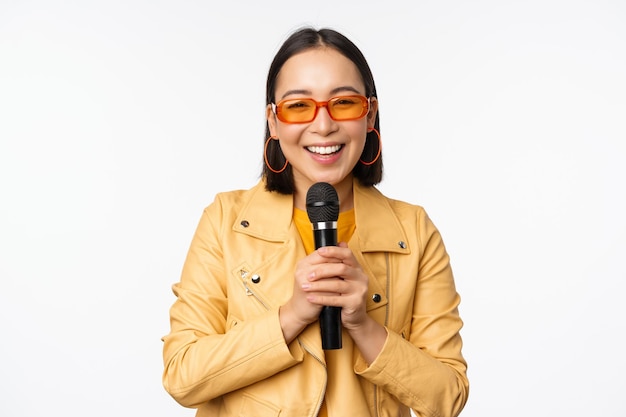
{"x":304,"y":110}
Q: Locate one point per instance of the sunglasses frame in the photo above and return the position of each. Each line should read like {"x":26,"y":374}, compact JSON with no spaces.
{"x":277,"y":108}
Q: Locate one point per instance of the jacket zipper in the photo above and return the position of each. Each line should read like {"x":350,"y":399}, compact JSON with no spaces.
{"x":387,"y":289}
{"x":251,"y":293}
{"x":319,"y":404}
{"x":388,"y":285}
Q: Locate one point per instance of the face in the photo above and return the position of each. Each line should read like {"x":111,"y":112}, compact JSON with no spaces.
{"x":323,"y":149}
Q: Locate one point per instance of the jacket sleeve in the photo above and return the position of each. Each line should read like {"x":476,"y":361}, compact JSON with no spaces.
{"x":203,"y":359}
{"x":434,"y":383}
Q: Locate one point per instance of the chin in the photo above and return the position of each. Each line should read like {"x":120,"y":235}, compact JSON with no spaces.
{"x":332,"y":179}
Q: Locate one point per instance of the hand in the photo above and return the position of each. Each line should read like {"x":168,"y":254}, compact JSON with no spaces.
{"x":335,"y":278}
{"x":340,"y":281}
{"x":299,"y":311}
{"x":331,"y":276}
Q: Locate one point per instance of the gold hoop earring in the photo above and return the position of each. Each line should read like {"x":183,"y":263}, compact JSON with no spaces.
{"x":267,"y":163}
{"x":380,"y":146}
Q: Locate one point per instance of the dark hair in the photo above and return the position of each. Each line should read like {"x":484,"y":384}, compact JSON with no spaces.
{"x":299,"y":41}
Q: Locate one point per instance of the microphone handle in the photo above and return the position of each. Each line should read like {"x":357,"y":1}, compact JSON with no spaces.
{"x":330,"y":324}
{"x":325,"y":234}
{"x":330,"y":317}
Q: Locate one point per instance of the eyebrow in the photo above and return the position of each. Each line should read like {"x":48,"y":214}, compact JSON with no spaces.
{"x":332,"y":92}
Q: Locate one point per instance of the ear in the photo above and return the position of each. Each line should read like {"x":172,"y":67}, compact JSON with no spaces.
{"x":371,"y":115}
{"x":271,"y":120}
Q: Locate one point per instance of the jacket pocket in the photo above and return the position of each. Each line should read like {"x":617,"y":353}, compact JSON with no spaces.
{"x":253,"y":407}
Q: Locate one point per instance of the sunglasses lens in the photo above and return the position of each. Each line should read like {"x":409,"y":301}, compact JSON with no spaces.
{"x":296,"y":111}
{"x":348,"y":107}
{"x":303,"y":110}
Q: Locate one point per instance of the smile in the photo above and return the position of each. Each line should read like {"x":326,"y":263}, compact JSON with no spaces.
{"x":324,"y":150}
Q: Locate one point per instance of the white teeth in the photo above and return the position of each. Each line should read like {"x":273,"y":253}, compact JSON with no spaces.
{"x":324,"y":150}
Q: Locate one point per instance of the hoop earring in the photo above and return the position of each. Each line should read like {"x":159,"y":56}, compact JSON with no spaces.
{"x":266,"y":160}
{"x":380,"y":145}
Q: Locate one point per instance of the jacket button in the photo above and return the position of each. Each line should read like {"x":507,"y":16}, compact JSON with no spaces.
{"x":256,"y":279}
{"x":376,"y":298}
{"x":245,"y":223}
{"x":402,"y":244}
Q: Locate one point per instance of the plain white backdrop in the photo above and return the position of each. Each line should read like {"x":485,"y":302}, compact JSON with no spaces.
{"x":120,"y":120}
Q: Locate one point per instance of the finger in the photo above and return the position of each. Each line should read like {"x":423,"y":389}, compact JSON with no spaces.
{"x":327,"y":286}
{"x":320,"y":256}
{"x":337,"y":254}
{"x":330,"y":271}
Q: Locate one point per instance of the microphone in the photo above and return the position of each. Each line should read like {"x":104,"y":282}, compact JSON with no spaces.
{"x":322,"y":206}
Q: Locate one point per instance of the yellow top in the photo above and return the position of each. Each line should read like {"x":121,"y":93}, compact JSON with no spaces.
{"x":345,"y":229}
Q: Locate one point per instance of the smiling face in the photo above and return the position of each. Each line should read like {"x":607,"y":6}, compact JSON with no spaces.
{"x":323,"y":149}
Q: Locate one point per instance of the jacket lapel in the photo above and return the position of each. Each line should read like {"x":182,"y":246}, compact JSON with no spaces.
{"x":378,"y":227}
{"x":266,"y":215}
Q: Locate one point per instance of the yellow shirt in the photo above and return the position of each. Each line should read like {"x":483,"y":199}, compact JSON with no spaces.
{"x":345,"y":229}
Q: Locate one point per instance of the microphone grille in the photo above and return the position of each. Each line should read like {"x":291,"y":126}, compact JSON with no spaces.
{"x":322,"y":203}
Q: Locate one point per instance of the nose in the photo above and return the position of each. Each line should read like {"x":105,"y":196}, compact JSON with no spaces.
{"x":323,"y":123}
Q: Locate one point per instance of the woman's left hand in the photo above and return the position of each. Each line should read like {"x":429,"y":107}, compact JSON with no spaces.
{"x":338,"y":280}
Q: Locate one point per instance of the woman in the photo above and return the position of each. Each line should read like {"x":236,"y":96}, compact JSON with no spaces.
{"x":245,"y":338}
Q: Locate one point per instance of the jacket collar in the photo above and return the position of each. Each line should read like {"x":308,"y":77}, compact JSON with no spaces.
{"x":378,"y":227}
{"x":268,"y":216}
{"x":265,"y":215}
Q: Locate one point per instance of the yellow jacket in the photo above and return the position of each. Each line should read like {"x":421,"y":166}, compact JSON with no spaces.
{"x":226,"y":355}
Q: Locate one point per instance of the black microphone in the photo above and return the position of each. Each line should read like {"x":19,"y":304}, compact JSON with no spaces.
{"x":322,"y":206}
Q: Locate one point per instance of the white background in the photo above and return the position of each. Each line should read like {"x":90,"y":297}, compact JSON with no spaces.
{"x":120,"y":120}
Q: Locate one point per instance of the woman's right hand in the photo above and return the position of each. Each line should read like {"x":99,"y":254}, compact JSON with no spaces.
{"x":299,"y":312}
